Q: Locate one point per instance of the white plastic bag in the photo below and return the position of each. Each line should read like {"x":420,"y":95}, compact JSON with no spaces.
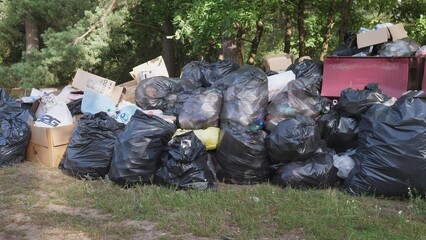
{"x":57,"y":116}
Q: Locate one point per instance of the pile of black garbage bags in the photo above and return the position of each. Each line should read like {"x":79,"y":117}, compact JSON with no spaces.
{"x":364,"y":143}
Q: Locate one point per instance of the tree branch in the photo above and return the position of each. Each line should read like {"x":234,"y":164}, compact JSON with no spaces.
{"x":153,"y":27}
{"x":111,"y":7}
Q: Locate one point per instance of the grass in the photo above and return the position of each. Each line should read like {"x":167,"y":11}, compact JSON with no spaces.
{"x":230,"y":212}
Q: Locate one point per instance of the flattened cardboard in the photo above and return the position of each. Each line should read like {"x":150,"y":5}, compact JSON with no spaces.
{"x":87,"y":81}
{"x":278,"y":62}
{"x":381,"y":35}
{"x":152,"y":68}
{"x":397,"y":31}
{"x":372,"y":37}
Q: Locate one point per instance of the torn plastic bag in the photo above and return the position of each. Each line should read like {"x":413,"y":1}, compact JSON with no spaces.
{"x":316,"y":172}
{"x":294,"y":139}
{"x":398,"y":48}
{"x":157,"y":93}
{"x":246,"y":99}
{"x":241,"y":155}
{"x":340,"y":133}
{"x":91,"y":146}
{"x":15,"y":134}
{"x":391,"y":153}
{"x":201,"y":110}
{"x":307,"y":68}
{"x":353,"y":103}
{"x":138,"y":149}
{"x":184,"y":165}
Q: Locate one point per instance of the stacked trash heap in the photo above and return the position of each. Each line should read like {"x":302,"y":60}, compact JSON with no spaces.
{"x":232,"y":127}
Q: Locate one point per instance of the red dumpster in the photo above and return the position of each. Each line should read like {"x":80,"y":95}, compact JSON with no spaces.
{"x":395,"y":75}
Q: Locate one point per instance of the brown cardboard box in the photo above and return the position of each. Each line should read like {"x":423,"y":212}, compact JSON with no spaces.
{"x":278,"y":62}
{"x":48,"y":145}
{"x":381,"y":35}
{"x":129,"y":91}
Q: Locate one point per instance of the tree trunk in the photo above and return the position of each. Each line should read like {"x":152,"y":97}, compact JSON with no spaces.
{"x":31,"y":34}
{"x":301,"y":26}
{"x":345,"y":21}
{"x":288,"y":33}
{"x":232,"y":47}
{"x":329,"y":28}
{"x":168,"y":46}
{"x":256,"y":41}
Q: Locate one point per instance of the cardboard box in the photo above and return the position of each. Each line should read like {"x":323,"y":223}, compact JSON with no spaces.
{"x":87,"y":81}
{"x":278,"y":62}
{"x":48,"y":145}
{"x":381,"y":35}
{"x":129,"y":91}
{"x":152,"y":68}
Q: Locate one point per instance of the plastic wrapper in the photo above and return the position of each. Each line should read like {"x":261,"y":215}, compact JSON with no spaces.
{"x":241,"y":155}
{"x":91,"y":147}
{"x":353,"y":103}
{"x":398,"y":48}
{"x":340,"y":133}
{"x":184,"y":165}
{"x":316,"y":172}
{"x":201,"y":110}
{"x":421,"y":52}
{"x":138,"y":149}
{"x":246,"y":99}
{"x":344,"y":164}
{"x":307,"y":68}
{"x":15,"y":134}
{"x":391,"y":153}
{"x":294,"y":139}
{"x":209,"y":136}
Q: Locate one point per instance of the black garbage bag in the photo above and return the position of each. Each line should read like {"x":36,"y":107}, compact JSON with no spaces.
{"x":4,"y":96}
{"x":197,"y":72}
{"x":75,"y":107}
{"x":353,"y":103}
{"x":201,"y":110}
{"x":220,"y":69}
{"x":91,"y":146}
{"x":204,"y":74}
{"x":157,"y":93}
{"x":138,"y":149}
{"x":317,"y":171}
{"x":398,"y":48}
{"x":287,"y":104}
{"x":307,"y":68}
{"x":246,"y":99}
{"x":184,"y":165}
{"x":181,"y":98}
{"x":294,"y":139}
{"x":10,"y":109}
{"x":340,"y":133}
{"x":15,"y":134}
{"x":241,"y":155}
{"x":391,"y":153}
